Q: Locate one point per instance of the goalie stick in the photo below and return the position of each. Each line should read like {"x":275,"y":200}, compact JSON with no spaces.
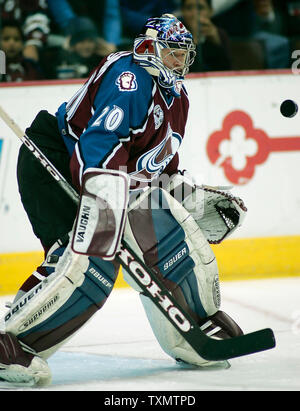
{"x":208,"y":348}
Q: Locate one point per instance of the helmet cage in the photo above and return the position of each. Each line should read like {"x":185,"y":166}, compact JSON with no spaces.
{"x":164,"y":33}
{"x":173,"y":46}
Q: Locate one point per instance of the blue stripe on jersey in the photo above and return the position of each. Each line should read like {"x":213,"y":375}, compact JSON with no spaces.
{"x":62,"y":126}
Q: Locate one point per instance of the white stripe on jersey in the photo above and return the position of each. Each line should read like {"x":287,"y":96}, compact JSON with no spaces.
{"x":77,"y":99}
{"x":113,"y":153}
{"x":112,"y":58}
{"x":71,"y":133}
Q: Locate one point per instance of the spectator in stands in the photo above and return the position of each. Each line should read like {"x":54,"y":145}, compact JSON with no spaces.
{"x":136,"y":12}
{"x":213,"y":44}
{"x":290,"y":11}
{"x":269,"y":32}
{"x":254,"y":46}
{"x":269,"y":16}
{"x":33,"y":20}
{"x":18,"y":67}
{"x":105,"y":15}
{"x":80,"y":56}
{"x":236,"y":17}
{"x":283,"y":18}
{"x":264,"y":9}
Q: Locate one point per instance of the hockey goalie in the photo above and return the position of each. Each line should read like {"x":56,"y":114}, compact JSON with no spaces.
{"x":113,"y":141}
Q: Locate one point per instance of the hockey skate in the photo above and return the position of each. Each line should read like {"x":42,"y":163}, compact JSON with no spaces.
{"x":19,"y":366}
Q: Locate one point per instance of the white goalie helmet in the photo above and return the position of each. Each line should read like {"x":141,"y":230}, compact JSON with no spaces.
{"x":165,"y":33}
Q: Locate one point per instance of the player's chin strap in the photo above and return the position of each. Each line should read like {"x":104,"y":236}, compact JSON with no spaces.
{"x":217,"y":212}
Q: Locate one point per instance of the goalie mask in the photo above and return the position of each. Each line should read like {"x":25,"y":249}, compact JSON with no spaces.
{"x":166,"y":51}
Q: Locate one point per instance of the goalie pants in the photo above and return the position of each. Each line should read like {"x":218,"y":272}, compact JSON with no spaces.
{"x":50,"y":211}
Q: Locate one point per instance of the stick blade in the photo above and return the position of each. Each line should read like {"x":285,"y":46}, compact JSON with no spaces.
{"x":218,"y":350}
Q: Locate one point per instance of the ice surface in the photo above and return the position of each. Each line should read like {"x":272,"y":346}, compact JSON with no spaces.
{"x":117,"y":351}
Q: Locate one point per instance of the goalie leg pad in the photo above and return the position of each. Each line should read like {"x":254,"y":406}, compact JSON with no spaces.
{"x":169,"y":241}
{"x":47,"y":315}
{"x":45,"y":269}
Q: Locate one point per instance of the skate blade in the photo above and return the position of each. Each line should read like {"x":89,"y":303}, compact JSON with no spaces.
{"x":210,"y":365}
{"x":5,"y":385}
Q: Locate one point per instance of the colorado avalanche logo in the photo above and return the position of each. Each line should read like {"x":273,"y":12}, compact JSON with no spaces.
{"x":151,"y":164}
{"x":127,"y":81}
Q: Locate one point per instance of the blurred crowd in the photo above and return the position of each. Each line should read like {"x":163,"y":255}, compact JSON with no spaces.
{"x":64,"y":39}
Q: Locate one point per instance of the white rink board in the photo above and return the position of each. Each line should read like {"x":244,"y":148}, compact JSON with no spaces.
{"x":272,"y":194}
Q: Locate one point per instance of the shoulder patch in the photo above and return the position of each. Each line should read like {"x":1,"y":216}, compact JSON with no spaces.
{"x":127,"y":81}
{"x":158,"y":116}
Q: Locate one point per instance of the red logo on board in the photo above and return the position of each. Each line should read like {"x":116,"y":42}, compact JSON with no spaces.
{"x":239,"y":147}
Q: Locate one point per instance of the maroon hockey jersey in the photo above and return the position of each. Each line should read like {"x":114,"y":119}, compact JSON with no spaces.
{"x":122,"y":119}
